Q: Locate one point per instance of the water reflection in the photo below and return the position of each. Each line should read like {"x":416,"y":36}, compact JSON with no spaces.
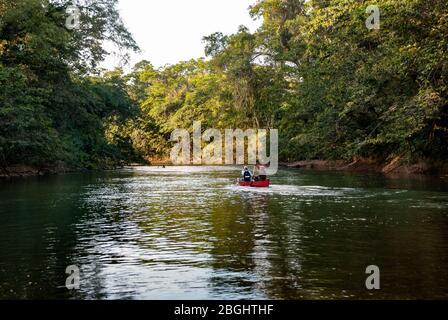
{"x":188,"y":232}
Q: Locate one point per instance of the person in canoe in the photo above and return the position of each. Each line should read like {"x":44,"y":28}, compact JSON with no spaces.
{"x":260,"y":172}
{"x":247,"y":175}
{"x":248,"y":180}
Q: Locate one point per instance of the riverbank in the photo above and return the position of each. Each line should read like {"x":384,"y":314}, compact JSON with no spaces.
{"x":18,"y":171}
{"x":396,"y":166}
{"x":24,"y":171}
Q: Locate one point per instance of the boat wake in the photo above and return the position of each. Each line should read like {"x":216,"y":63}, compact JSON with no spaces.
{"x":297,"y":190}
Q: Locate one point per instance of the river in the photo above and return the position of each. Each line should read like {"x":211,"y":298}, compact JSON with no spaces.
{"x":190,"y":233}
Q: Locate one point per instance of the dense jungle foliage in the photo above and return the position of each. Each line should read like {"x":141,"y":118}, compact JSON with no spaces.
{"x":334,"y":88}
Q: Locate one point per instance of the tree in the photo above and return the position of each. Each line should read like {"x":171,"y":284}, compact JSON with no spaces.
{"x":60,"y":112}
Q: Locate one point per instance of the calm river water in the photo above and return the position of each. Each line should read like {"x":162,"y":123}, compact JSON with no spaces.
{"x":190,"y":233}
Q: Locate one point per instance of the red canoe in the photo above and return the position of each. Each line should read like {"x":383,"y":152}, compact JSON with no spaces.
{"x":256,"y":184}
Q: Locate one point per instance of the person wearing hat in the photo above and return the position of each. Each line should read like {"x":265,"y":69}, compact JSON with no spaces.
{"x":260,"y":172}
{"x":247,"y":175}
